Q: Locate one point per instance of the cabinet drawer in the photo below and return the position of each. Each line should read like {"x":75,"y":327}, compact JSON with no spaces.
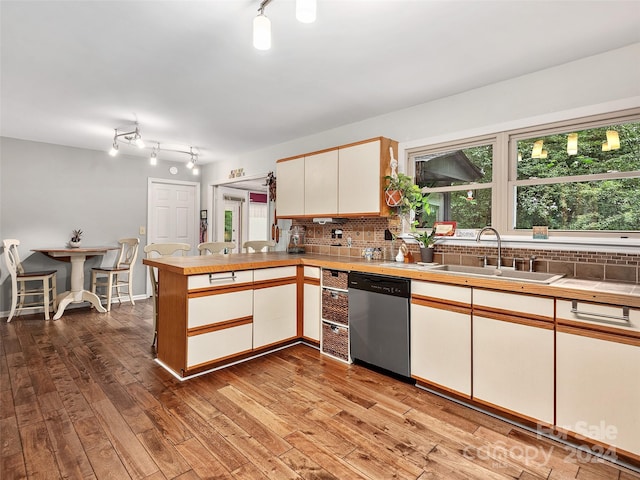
{"x":442,"y":292}
{"x":528,"y":304}
{"x":597,"y":313}
{"x":219,"y":279}
{"x":312,"y":272}
{"x":219,"y":344}
{"x":273,"y":273}
{"x":335,"y":306}
{"x":335,"y":279}
{"x":212,"y":309}
{"x":335,"y":341}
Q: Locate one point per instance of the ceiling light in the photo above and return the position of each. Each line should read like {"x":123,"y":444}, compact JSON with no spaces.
{"x":613,"y":139}
{"x":195,"y":171}
{"x":572,"y":144}
{"x":137,"y":139}
{"x":153,"y":159}
{"x":306,"y":11}
{"x":262,"y":29}
{"x":114,"y":149}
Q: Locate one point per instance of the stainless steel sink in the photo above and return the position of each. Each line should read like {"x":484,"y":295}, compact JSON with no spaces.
{"x":498,"y":274}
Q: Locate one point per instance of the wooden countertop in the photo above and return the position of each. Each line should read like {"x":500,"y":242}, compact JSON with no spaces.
{"x":587,"y":290}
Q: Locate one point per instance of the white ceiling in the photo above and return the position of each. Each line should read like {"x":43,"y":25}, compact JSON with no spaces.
{"x":72,"y":71}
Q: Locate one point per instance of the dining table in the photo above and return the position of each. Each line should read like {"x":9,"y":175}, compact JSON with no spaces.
{"x":77,"y":256}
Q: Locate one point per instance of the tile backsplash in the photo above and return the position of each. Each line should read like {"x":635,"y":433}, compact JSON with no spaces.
{"x":369,"y":232}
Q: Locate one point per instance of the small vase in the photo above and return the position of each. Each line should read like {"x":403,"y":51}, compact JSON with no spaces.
{"x":73,"y":244}
{"x":426,"y":254}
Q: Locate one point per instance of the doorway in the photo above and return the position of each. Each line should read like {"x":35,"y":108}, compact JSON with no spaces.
{"x":233,"y":221}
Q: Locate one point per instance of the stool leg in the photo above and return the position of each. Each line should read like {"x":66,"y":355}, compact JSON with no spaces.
{"x":45,"y":294}
{"x":109,"y":291}
{"x":14,"y":300}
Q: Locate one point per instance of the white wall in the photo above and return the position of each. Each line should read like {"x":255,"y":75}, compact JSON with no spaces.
{"x":597,"y":84}
{"x":48,"y":190}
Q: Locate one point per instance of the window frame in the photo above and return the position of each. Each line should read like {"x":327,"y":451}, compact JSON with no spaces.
{"x":504,"y":182}
{"x":584,"y":123}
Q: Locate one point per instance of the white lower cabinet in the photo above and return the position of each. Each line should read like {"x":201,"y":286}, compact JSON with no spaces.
{"x":513,"y":353}
{"x":441,"y":336}
{"x":311,"y":311}
{"x":218,"y":344}
{"x":274,"y":307}
{"x":598,"y":375}
{"x":513,"y":367}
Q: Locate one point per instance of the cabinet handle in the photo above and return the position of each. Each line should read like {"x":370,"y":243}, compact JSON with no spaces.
{"x":217,"y":279}
{"x":624,"y":317}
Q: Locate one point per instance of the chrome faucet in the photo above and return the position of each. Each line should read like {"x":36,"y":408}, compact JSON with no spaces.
{"x":485,"y":229}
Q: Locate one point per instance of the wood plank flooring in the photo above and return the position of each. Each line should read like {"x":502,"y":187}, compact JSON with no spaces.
{"x":81,"y":397}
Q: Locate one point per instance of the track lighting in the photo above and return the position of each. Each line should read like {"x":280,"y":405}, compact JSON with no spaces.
{"x":134,"y":138}
{"x":305,"y":13}
{"x":153,"y":159}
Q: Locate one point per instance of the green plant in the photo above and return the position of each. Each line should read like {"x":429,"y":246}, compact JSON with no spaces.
{"x":76,"y":235}
{"x":425,"y":239}
{"x":411,"y":194}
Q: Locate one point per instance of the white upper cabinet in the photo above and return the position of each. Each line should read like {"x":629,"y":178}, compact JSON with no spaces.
{"x":321,"y":183}
{"x":345,"y":181}
{"x":290,"y":187}
{"x":359,"y":179}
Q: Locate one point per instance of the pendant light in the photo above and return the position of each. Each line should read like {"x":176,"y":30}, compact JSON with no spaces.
{"x":306,"y":11}
{"x":262,"y":31}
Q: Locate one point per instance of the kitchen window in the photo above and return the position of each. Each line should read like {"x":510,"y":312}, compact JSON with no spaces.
{"x":458,"y":180}
{"x":578,"y":178}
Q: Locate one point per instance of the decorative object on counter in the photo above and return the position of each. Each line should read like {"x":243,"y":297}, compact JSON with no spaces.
{"x":426,"y":242}
{"x":76,"y":238}
{"x":296,"y":239}
{"x":402,"y":251}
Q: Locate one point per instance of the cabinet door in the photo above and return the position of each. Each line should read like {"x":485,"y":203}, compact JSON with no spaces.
{"x":320,"y":183}
{"x":441,"y":347}
{"x":274,"y":314}
{"x":218,"y":344}
{"x":311,"y":324}
{"x":598,"y":389}
{"x":513,"y":367}
{"x":359,"y":187}
{"x":290,"y":198}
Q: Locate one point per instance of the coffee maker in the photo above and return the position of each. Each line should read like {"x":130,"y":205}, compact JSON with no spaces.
{"x":296,"y":239}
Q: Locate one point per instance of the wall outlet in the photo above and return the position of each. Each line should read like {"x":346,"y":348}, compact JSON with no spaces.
{"x":143,"y":231}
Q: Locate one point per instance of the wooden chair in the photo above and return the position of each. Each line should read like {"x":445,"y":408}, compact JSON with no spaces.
{"x":258,"y":245}
{"x":216,"y":247}
{"x":22,"y":284}
{"x":155,"y":250}
{"x":121,"y":275}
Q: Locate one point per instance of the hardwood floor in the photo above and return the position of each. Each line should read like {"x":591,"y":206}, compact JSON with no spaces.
{"x":81,"y":397}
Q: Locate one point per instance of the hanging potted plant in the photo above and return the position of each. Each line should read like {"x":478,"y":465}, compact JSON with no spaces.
{"x":405,"y":196}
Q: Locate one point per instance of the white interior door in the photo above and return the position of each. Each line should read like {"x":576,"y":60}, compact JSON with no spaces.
{"x":173,"y":213}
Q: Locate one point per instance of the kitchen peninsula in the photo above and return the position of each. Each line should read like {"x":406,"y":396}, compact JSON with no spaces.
{"x":220,"y":309}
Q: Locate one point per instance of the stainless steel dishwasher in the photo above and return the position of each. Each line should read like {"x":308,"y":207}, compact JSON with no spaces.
{"x":379,"y":321}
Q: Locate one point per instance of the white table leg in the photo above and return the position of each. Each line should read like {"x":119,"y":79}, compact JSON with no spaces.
{"x":77,"y":294}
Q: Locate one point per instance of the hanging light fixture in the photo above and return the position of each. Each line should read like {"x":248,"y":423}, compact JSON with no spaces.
{"x":153,"y":159}
{"x":572,"y":144}
{"x":134,"y":138}
{"x":262,"y":29}
{"x":306,"y":11}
